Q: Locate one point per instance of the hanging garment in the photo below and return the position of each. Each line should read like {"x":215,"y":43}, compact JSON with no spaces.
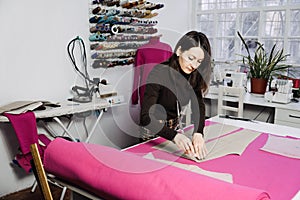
{"x":147,"y":56}
{"x":25,"y":128}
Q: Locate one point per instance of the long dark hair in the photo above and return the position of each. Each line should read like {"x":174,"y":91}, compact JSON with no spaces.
{"x":201,"y":77}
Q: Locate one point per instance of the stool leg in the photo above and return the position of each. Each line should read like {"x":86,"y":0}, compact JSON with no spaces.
{"x":34,"y":186}
{"x":63,"y":193}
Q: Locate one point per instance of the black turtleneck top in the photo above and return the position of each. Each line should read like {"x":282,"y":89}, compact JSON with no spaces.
{"x":164,"y":88}
{"x":185,"y":75}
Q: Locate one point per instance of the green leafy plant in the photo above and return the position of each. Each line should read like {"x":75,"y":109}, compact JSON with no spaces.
{"x":264,"y":65}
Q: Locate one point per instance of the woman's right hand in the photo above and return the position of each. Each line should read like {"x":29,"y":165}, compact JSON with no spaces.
{"x":184,"y":143}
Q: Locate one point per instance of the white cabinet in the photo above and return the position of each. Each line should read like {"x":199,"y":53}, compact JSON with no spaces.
{"x":287,"y":117}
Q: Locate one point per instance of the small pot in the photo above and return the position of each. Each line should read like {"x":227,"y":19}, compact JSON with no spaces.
{"x":258,"y":85}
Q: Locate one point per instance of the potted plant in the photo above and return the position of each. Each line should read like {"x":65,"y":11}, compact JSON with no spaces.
{"x":263,"y":66}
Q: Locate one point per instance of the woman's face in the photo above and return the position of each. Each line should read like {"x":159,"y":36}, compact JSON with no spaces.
{"x":191,"y":59}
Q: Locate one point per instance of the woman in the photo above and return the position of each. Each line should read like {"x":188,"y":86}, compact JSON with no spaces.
{"x":171,"y":85}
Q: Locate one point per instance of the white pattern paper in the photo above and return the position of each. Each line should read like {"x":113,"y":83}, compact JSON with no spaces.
{"x":289,"y":147}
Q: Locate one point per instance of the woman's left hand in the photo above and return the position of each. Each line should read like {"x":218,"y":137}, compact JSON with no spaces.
{"x":199,"y":146}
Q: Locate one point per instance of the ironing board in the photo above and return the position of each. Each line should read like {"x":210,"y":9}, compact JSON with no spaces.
{"x":69,"y":108}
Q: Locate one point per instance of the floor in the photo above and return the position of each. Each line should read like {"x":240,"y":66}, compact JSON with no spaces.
{"x":28,"y":195}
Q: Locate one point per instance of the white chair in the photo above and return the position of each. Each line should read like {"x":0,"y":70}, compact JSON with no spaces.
{"x":230,"y":101}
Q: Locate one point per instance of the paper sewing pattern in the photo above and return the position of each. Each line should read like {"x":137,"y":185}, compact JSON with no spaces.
{"x":193,"y":168}
{"x":18,"y":107}
{"x":289,"y":147}
{"x":216,"y":130}
{"x":234,"y":143}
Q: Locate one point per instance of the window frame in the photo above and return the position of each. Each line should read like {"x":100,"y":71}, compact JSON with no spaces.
{"x":286,"y":37}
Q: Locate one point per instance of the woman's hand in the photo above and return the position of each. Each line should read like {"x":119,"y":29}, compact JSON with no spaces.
{"x":184,"y":143}
{"x":199,"y":146}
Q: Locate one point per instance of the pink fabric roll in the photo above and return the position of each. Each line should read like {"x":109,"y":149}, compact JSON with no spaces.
{"x":113,"y":174}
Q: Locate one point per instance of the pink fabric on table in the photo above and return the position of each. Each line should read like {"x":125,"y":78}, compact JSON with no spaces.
{"x":278,"y":175}
{"x":275,"y":174}
{"x":114,"y":174}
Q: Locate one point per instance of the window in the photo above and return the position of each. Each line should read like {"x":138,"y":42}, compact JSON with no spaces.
{"x":267,"y":21}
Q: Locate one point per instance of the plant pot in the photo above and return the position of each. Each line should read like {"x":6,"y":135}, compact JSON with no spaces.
{"x":258,"y":85}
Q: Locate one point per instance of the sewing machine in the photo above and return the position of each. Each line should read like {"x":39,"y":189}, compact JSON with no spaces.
{"x":234,"y":79}
{"x":229,"y":78}
{"x":281,"y":91}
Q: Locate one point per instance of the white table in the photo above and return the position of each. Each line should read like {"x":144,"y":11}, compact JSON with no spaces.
{"x":285,"y":114}
{"x":253,"y":99}
{"x":264,"y":127}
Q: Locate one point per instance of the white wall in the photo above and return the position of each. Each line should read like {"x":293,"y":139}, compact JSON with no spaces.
{"x":174,"y":19}
{"x":34,"y":35}
{"x":34,"y":65}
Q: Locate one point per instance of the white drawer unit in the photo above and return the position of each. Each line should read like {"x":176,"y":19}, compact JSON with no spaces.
{"x":287,"y":117}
